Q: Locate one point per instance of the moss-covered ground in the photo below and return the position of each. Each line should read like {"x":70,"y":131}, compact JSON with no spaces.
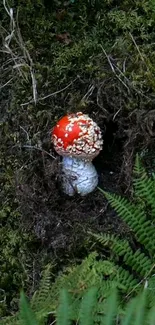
{"x":56,"y":57}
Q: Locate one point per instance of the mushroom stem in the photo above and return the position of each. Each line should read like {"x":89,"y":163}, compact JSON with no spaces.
{"x":78,"y":176}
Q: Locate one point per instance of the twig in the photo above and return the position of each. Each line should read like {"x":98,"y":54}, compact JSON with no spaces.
{"x":88,"y":93}
{"x":50,"y":95}
{"x":29,"y":59}
{"x":6,"y":83}
{"x":116,"y":114}
{"x":138,"y":50}
{"x":145,"y":279}
{"x":113,"y":68}
{"x":27,"y":135}
{"x":37,"y":148}
{"x":18,"y":61}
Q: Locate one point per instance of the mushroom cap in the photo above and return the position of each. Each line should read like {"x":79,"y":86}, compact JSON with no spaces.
{"x":77,"y":135}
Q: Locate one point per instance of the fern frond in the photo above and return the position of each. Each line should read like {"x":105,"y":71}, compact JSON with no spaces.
{"x":88,"y":303}
{"x":151,"y":316}
{"x":111,"y":311}
{"x":136,"y":311}
{"x":151,"y":289}
{"x":144,"y":186}
{"x":63,"y":312}
{"x":129,"y":312}
{"x":10,"y":320}
{"x":41,"y":295}
{"x":125,"y":280}
{"x":140,"y":310}
{"x":26,"y":314}
{"x":138,"y":261}
{"x":135,"y":218}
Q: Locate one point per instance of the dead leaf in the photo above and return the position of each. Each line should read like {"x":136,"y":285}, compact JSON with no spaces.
{"x":64,"y":38}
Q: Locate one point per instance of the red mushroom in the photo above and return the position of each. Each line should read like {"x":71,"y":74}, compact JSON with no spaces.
{"x":77,"y":138}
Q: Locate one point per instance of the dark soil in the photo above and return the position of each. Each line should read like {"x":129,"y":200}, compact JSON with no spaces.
{"x":60,"y":222}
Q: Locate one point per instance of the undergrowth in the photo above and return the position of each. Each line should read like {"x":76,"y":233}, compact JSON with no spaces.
{"x":136,"y":311}
{"x":129,"y":267}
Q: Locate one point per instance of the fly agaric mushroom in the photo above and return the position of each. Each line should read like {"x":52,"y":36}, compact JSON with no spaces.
{"x":77,"y":138}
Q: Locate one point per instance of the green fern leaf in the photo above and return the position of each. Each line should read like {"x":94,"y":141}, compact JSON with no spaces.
{"x":125,"y":280}
{"x":63,"y":312}
{"x":144,"y":185}
{"x":151,"y":316}
{"x":86,"y":310}
{"x":129,"y":312}
{"x":133,"y":215}
{"x":26,"y":314}
{"x":138,"y":261}
{"x":112,"y":304}
{"x":140,"y":308}
{"x":40,"y":296}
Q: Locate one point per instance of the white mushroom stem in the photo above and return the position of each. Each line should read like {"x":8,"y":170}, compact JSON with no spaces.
{"x":78,"y":176}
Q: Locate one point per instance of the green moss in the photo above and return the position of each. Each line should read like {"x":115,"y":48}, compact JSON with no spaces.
{"x":14,"y":243}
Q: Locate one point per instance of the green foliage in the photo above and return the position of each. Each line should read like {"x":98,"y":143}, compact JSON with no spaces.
{"x":135,"y":214}
{"x":138,"y":261}
{"x":89,"y":301}
{"x":63,"y":312}
{"x":93,"y":271}
{"x":135,"y":312}
{"x":144,"y":187}
{"x":42,"y":293}
{"x":77,"y":280}
{"x":138,"y":215}
{"x":111,"y":310}
{"x":26,"y":314}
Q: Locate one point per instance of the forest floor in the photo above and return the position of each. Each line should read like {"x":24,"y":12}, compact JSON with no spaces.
{"x":55,"y":60}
